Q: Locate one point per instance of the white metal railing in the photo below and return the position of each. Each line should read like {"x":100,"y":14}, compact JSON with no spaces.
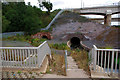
{"x":53,"y":20}
{"x":105,"y":60}
{"x":0,"y":68}
{"x":24,"y":57}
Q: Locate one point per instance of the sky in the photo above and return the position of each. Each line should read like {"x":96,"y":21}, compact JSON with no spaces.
{"x":62,"y":4}
{"x":76,"y":3}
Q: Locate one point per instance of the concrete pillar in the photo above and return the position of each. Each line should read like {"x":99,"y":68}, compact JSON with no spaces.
{"x":107,"y":18}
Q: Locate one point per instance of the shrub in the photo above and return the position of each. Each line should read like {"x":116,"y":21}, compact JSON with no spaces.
{"x":61,"y":46}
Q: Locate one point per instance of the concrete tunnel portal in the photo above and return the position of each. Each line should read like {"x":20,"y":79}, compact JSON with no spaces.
{"x":74,"y":42}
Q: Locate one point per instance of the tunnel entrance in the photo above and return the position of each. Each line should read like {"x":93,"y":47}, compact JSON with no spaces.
{"x":45,"y":37}
{"x":75,"y":42}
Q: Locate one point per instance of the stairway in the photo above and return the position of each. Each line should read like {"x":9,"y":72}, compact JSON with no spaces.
{"x":73,"y":71}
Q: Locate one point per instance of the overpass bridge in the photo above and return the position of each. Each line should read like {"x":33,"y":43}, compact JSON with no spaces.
{"x":105,"y":11}
{"x":102,"y":19}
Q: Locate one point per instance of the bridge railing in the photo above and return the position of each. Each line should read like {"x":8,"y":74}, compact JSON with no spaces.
{"x":24,"y":57}
{"x":105,"y":60}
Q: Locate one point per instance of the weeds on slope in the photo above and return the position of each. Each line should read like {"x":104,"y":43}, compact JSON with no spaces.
{"x":57,"y":65}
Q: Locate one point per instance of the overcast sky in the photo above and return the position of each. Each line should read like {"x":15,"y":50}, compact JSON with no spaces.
{"x":76,"y":3}
{"x":62,"y":4}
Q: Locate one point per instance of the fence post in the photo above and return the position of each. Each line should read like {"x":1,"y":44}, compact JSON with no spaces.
{"x":94,"y":53}
{"x":66,"y":60}
{"x":38,"y":56}
{"x":112,"y":62}
{"x":119,"y":69}
{"x":0,"y":65}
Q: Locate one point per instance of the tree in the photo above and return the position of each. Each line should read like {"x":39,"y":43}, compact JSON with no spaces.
{"x":31,"y":21}
{"x":5,"y":24}
{"x":48,"y":6}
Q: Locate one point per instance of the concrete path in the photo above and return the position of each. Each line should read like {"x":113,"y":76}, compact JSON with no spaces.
{"x":72,"y":71}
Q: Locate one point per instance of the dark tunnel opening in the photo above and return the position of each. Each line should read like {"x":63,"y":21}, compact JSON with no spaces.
{"x":75,"y":42}
{"x":45,"y":37}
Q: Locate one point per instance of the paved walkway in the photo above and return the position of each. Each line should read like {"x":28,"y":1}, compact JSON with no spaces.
{"x":72,"y":71}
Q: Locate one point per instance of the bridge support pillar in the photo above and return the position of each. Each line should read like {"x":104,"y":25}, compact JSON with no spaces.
{"x":107,"y":18}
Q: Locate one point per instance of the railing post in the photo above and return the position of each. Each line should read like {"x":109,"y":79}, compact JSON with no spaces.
{"x":94,"y":52}
{"x":0,"y":65}
{"x":119,"y":68}
{"x":0,"y":59}
{"x":112,"y":62}
{"x":66,"y":60}
{"x":38,"y":56}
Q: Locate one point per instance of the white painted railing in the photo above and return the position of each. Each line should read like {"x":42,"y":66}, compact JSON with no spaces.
{"x":0,"y":68}
{"x":24,"y":57}
{"x":105,"y":60}
{"x":53,"y":20}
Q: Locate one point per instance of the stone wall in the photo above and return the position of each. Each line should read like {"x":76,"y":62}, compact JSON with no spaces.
{"x":42,"y":34}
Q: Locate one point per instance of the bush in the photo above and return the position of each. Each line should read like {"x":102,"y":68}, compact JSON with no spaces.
{"x":61,"y":46}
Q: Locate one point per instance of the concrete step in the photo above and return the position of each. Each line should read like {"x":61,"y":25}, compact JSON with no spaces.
{"x":71,"y":63}
{"x":72,"y":67}
{"x":77,"y":73}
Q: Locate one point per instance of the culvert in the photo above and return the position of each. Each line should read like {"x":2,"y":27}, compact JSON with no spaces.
{"x":44,"y":37}
{"x":74,"y":42}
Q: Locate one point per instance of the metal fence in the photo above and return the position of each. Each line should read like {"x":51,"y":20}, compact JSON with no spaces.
{"x":24,"y":57}
{"x":10,"y":34}
{"x":105,"y":60}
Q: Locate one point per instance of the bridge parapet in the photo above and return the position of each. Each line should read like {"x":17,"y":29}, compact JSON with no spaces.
{"x":102,"y":10}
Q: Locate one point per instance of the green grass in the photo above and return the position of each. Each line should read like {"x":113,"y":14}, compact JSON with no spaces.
{"x":26,"y":38}
{"x":19,"y":72}
{"x":62,"y":46}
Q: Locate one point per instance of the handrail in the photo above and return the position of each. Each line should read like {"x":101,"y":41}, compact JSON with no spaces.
{"x":42,"y":44}
{"x":109,"y":49}
{"x":24,"y":57}
{"x":105,"y":60}
{"x":94,"y":46}
{"x":18,"y":47}
{"x":106,"y":49}
{"x":24,"y":47}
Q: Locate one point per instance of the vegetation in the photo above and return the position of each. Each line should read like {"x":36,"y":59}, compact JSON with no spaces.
{"x":17,"y":16}
{"x":81,"y":58}
{"x":34,"y":42}
{"x":57,"y":64}
{"x":48,"y":6}
{"x":19,"y":72}
{"x":61,"y":46}
{"x":79,"y":55}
